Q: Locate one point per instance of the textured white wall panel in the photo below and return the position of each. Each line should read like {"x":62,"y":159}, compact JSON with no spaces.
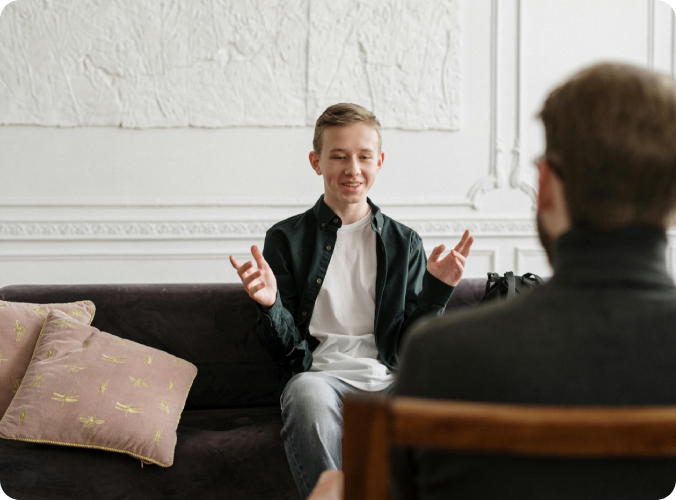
{"x":399,"y":58}
{"x":216,"y":63}
{"x":100,"y":204}
{"x":135,"y":63}
{"x":247,"y":60}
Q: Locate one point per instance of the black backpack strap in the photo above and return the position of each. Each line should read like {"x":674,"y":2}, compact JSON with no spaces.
{"x":492,"y":277}
{"x":511,"y":285}
{"x":535,"y":277}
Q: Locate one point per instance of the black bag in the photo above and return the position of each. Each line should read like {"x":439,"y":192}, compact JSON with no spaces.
{"x":508,"y":286}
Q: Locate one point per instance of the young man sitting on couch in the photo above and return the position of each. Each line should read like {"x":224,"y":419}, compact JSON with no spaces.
{"x":336,"y":288}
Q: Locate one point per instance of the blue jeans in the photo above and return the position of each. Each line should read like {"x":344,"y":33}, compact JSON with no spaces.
{"x":312,"y":411}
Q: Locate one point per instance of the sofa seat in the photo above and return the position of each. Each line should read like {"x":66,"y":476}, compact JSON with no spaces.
{"x":218,"y":454}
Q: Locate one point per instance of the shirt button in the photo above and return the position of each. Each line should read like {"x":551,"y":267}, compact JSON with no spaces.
{"x":323,"y":224}
{"x":319,"y":280}
{"x":380,"y":229}
{"x":304,"y":313}
{"x":335,"y":220}
{"x":328,"y":247}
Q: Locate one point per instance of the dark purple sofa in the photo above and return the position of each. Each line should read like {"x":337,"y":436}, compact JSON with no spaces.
{"x":228,"y":437}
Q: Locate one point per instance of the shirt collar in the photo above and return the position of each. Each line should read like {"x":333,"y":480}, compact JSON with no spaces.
{"x":325,"y":216}
{"x":635,"y":253}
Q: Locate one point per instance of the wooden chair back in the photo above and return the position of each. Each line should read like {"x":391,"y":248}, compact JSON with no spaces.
{"x":373,"y":425}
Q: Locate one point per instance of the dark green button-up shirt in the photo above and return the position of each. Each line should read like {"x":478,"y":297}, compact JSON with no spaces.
{"x":299,"y":250}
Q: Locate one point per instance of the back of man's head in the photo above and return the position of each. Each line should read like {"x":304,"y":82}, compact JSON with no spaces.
{"x":611,"y":137}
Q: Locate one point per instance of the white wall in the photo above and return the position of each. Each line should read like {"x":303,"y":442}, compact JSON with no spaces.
{"x":112,"y":205}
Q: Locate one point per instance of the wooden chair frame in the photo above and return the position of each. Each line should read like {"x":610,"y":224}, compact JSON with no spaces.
{"x":373,"y":425}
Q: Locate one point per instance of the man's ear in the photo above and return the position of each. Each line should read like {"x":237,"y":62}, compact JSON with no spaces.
{"x":545,"y":187}
{"x":552,"y":204}
{"x":314,"y":162}
{"x":381,"y":160}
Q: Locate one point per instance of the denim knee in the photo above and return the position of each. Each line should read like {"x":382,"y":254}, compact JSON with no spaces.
{"x":312,"y":394}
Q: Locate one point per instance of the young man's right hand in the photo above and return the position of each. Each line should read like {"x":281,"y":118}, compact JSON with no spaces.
{"x":260,"y":283}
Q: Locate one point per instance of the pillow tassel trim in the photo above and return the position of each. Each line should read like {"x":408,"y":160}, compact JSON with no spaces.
{"x":75,"y":445}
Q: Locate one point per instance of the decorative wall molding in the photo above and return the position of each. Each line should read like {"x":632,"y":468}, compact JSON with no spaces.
{"x":496,"y":172}
{"x":494,"y":179}
{"x":492,"y":255}
{"x":478,"y":228}
{"x":489,"y":256}
{"x":132,"y":230}
{"x":673,"y":43}
{"x":651,"y":34}
{"x":535,"y":255}
{"x":515,"y":177}
{"x":200,"y":229}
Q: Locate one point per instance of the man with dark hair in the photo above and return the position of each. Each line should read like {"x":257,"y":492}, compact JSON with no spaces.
{"x":601,"y":332}
{"x":336,"y":288}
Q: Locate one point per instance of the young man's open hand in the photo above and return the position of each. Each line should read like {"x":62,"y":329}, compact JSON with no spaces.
{"x":450,"y":268}
{"x":259,"y":283}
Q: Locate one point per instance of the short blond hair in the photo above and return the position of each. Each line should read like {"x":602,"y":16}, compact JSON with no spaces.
{"x":611,"y":137}
{"x":340,"y":115}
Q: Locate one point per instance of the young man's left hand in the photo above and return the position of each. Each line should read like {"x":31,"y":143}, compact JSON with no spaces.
{"x":450,"y":268}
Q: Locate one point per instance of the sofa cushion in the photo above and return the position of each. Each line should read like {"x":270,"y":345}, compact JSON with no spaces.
{"x":231,"y":453}
{"x":87,"y":388}
{"x":20,"y":325}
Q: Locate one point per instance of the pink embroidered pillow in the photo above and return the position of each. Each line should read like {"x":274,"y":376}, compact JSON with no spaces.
{"x":20,"y":326}
{"x":91,"y":389}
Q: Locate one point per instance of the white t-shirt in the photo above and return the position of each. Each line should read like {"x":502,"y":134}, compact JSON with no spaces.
{"x":344,"y":313}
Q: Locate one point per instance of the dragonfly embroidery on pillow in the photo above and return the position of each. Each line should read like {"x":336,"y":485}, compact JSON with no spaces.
{"x":128,"y":409}
{"x":19,"y":330}
{"x":66,"y":398}
{"x":139,"y":382}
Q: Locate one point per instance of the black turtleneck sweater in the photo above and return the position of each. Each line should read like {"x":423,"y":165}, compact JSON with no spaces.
{"x":601,"y":332}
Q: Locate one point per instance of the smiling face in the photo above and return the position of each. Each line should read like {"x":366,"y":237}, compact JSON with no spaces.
{"x":349,"y":161}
